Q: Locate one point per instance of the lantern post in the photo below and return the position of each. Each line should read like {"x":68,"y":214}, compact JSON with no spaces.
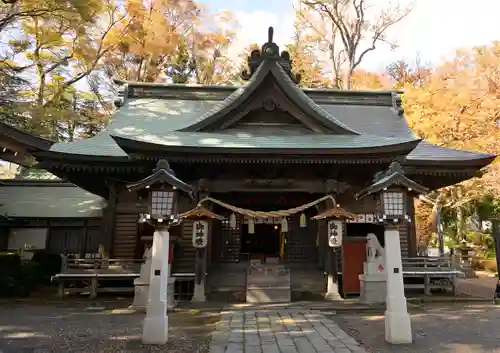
{"x":393,"y":188}
{"x":163,"y":191}
{"x":335,"y":218}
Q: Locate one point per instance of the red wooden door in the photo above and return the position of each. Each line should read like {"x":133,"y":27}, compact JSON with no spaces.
{"x":353,"y":256}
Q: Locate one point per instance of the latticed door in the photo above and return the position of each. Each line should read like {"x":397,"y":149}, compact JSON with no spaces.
{"x":300,"y":242}
{"x":231,"y":240}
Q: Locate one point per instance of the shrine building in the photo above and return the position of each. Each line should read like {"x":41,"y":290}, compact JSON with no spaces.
{"x":268,"y":145}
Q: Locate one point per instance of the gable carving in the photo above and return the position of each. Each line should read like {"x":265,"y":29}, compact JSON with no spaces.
{"x":268,"y":106}
{"x":265,"y":122}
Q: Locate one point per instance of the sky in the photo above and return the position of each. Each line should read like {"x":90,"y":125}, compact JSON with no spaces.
{"x":433,"y":30}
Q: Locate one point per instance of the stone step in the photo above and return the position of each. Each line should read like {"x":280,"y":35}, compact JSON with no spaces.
{"x":271,"y":285}
{"x":269,"y":295}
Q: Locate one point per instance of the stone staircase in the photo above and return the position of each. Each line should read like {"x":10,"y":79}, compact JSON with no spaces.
{"x":268,"y":283}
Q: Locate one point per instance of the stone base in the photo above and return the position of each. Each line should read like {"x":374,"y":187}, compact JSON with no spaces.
{"x":398,"y":328}
{"x":141,"y":294}
{"x":333,"y":296}
{"x":373,"y":289}
{"x":170,"y":293}
{"x":155,"y":330}
{"x":199,"y":293}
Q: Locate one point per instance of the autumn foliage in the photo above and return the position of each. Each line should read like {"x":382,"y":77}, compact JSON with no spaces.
{"x":58,"y":66}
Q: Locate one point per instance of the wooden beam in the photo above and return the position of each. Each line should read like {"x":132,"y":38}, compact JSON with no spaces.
{"x":16,"y":157}
{"x":316,"y":186}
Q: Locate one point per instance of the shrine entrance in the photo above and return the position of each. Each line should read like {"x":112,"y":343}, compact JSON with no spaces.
{"x":263,"y":243}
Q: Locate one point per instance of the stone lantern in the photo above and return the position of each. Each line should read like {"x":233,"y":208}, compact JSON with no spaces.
{"x":393,"y":188}
{"x":163,"y":191}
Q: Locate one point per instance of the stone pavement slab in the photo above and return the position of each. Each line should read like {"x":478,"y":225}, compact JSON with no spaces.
{"x":280,"y":331}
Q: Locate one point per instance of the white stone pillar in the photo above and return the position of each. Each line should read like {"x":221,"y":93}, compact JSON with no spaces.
{"x":332,"y":286}
{"x":397,"y":319}
{"x":199,"y":287}
{"x":155,"y":325}
{"x":332,"y":289}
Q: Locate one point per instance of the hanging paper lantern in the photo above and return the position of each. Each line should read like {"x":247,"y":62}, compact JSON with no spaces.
{"x":232,"y":221}
{"x":251,"y":226}
{"x":303,"y":221}
{"x":284,"y":225}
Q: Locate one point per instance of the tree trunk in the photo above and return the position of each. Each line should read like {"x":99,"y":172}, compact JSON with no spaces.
{"x":347,"y":84}
{"x":460,"y":223}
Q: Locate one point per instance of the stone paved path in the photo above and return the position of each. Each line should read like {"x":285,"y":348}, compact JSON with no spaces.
{"x":280,"y":331}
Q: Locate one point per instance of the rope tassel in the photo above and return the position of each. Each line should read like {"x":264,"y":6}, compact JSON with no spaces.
{"x":303,"y":221}
{"x":232,"y":221}
{"x":284,"y":225}
{"x":251,"y":226}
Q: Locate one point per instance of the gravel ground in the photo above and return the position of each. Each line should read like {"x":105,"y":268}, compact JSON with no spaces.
{"x":73,"y":327}
{"x":439,"y":328}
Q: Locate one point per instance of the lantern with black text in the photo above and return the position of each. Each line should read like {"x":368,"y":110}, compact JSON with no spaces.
{"x":335,"y":233}
{"x":200,"y":234}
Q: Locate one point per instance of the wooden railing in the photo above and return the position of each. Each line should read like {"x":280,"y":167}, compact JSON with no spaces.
{"x":91,"y":272}
{"x":94,"y":274}
{"x":437,"y":272}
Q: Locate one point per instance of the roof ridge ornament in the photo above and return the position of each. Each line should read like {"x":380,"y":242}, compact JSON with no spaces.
{"x":269,"y":51}
{"x":122,"y":95}
{"x":394,"y":175}
{"x":163,"y":165}
{"x":397,"y":103}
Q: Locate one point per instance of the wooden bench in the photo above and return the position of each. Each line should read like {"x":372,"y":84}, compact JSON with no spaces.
{"x":92,"y":271}
{"x":437,"y":273}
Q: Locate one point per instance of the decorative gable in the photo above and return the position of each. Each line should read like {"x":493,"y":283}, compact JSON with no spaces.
{"x":269,"y":106}
{"x":271,"y":93}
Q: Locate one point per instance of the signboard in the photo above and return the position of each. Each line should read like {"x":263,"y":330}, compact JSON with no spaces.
{"x":200,"y":234}
{"x":335,"y":231}
{"x":363,"y":218}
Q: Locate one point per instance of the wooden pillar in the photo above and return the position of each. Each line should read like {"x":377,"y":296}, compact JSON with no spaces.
{"x":109,"y":220}
{"x":332,"y":286}
{"x":496,"y":237}
{"x":200,"y":264}
{"x":411,"y":228}
{"x":321,"y":241}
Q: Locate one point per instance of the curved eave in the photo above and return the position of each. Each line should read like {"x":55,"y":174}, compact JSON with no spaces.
{"x":63,"y":156}
{"x":393,"y":179}
{"x":296,"y":95}
{"x":30,"y":141}
{"x":130,"y":145}
{"x":481,"y":161}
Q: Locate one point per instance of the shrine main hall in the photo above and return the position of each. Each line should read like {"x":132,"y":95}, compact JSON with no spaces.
{"x":268,"y":145}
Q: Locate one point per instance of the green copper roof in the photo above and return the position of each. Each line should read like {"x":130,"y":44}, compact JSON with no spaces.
{"x":160,"y":119}
{"x":250,"y":141}
{"x":47,"y":201}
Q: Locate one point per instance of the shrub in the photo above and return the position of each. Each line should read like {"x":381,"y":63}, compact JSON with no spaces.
{"x":490,"y":265}
{"x":20,"y":278}
{"x":49,"y":263}
{"x":10,"y":270}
